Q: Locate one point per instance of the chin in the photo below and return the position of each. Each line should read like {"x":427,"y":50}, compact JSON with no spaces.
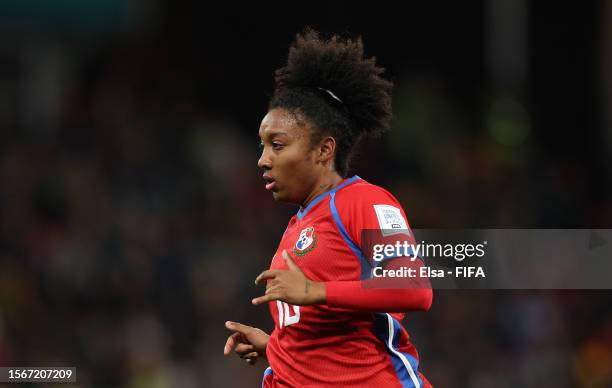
{"x":280,"y":197}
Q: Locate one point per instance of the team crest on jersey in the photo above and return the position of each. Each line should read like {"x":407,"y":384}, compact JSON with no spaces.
{"x":306,"y":242}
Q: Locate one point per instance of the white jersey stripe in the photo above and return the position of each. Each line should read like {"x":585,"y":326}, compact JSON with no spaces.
{"x":407,"y":364}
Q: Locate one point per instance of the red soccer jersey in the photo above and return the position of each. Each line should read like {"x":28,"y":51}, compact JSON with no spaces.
{"x":326,"y":345}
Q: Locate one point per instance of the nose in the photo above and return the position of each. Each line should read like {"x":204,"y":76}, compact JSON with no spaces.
{"x":264,"y":160}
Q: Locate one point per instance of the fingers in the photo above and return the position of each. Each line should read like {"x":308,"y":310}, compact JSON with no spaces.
{"x":268,"y":274}
{"x":290,"y":263}
{"x":244,"y":349}
{"x":252,"y":355}
{"x":251,"y":358}
{"x":266,"y":298}
{"x":272,"y":293}
{"x":239,"y":327}
{"x":231,"y":342}
{"x":236,"y":338}
{"x":273,"y":289}
{"x":241,"y":343}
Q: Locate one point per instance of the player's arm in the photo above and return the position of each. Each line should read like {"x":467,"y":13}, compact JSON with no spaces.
{"x":292,"y":286}
{"x":383,"y":294}
{"x":370,"y":216}
{"x":375,"y":294}
{"x":248,"y":342}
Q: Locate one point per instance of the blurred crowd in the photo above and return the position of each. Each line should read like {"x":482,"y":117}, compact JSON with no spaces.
{"x":133,"y":221}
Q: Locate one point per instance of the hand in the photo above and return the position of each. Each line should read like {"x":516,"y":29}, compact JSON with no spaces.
{"x":250,"y":342}
{"x":290,"y":286}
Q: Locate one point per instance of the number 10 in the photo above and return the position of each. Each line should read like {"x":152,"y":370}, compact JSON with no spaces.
{"x":284,"y":317}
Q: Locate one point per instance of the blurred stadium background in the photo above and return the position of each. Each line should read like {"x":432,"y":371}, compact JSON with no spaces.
{"x":133,"y":218}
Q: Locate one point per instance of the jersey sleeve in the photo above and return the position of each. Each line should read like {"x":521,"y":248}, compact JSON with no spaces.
{"x":371,"y":217}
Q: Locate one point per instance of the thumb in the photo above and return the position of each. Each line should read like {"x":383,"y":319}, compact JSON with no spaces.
{"x":290,"y":263}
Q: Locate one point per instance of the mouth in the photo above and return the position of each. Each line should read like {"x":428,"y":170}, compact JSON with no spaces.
{"x":270,"y":182}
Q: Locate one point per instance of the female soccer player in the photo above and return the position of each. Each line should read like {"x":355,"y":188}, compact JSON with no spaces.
{"x":335,"y":324}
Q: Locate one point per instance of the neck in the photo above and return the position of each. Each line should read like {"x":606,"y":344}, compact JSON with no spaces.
{"x":326,"y":183}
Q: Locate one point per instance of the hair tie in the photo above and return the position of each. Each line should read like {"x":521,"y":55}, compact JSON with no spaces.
{"x":332,"y":95}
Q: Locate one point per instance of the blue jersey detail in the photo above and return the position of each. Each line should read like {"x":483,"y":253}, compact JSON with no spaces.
{"x":388,"y":330}
{"x":267,"y":372}
{"x":302,"y":213}
{"x":365,"y":266}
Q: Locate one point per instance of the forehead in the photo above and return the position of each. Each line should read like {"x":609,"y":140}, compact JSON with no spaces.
{"x":280,"y":121}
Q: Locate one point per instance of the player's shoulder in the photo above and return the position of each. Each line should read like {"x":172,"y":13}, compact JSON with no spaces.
{"x":363,"y":204}
{"x":364,"y":192}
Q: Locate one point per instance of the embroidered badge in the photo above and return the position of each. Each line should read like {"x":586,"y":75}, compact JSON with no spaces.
{"x":306,"y":242}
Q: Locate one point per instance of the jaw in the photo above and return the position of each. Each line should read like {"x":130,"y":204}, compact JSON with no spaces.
{"x":278,"y":197}
{"x":283,"y":197}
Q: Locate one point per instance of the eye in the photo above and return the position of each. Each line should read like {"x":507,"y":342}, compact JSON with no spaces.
{"x":277,"y":146}
{"x":261,"y":144}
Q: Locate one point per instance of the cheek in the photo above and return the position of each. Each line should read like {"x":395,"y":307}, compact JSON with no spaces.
{"x":298,"y":171}
{"x":309,"y":158}
{"x":302,"y":166}
{"x":296,"y":161}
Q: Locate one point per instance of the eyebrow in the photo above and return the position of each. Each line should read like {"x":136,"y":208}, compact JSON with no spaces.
{"x":275,"y":133}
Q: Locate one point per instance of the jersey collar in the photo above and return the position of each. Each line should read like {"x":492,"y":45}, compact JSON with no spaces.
{"x":302,"y":213}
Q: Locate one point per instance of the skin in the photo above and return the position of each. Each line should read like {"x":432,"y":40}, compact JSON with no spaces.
{"x":301,"y":171}
{"x":298,"y":172}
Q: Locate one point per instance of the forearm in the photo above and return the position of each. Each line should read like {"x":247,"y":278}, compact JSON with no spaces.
{"x":383,"y":294}
{"x":354,"y":295}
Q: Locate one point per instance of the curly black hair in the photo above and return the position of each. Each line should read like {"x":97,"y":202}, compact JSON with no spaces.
{"x":331,"y":84}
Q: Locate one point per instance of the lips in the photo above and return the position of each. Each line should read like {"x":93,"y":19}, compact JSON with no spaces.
{"x":270,"y":182}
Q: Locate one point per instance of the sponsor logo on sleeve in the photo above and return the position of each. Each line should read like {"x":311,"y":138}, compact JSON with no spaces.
{"x":391,"y":220}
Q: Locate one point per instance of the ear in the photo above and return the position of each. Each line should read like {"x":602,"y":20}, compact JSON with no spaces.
{"x":327,"y":149}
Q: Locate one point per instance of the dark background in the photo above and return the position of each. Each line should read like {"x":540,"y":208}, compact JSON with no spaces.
{"x":133,"y":218}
